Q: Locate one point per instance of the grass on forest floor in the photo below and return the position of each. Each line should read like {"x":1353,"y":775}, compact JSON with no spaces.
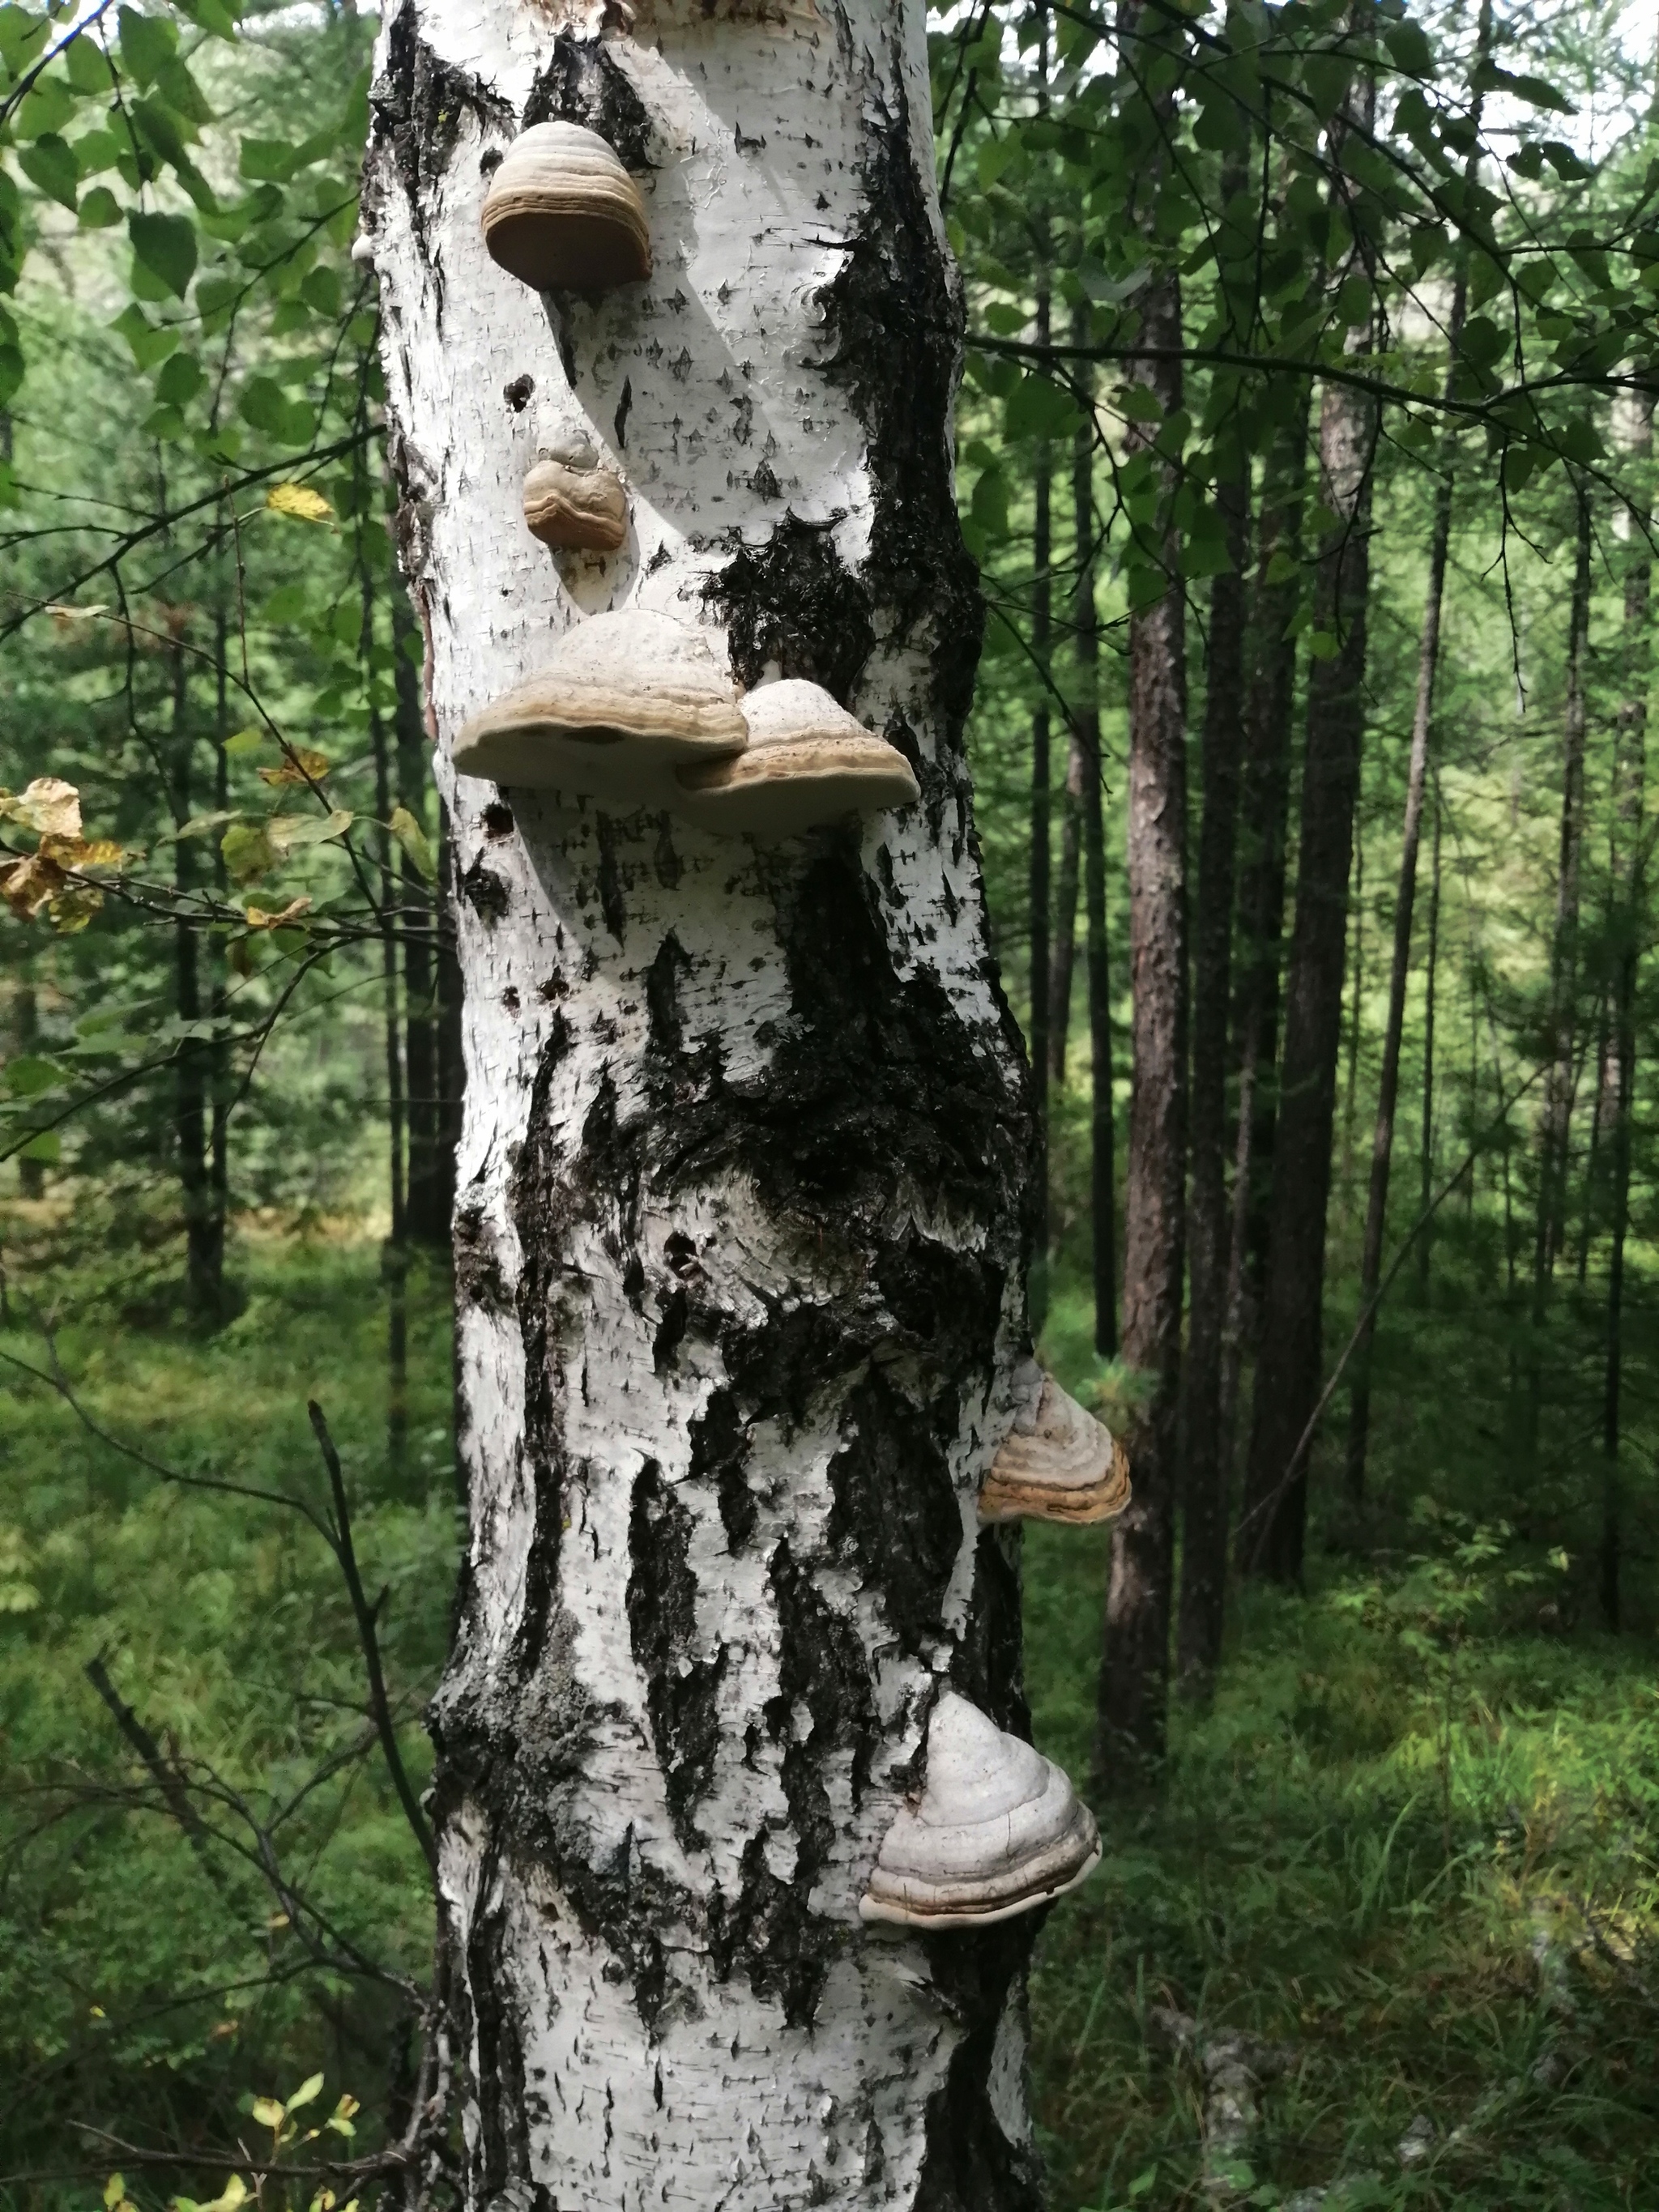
{"x":1359,"y":1852}
{"x":1414,"y":1840}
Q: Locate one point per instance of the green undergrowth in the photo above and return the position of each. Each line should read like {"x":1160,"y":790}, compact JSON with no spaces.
{"x":1392,"y":1845}
{"x":1414,"y":1841}
{"x":150,"y":1980}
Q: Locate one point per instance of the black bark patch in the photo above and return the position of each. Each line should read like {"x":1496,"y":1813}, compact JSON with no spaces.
{"x":768,"y":1929}
{"x":518,"y":393}
{"x":967,"y":2164}
{"x":584,"y":83}
{"x":665,"y":1030}
{"x":671,"y":1328}
{"x":500,"y":2152}
{"x":795,"y":601}
{"x":895,"y":1509}
{"x":417,"y":105}
{"x":986,"y":1666}
{"x":535,"y":1197}
{"x":478,"y":1278}
{"x":612,"y":904}
{"x":681,"y":1689}
{"x":894,"y":320}
{"x":485,"y":893}
{"x":720,"y":1454}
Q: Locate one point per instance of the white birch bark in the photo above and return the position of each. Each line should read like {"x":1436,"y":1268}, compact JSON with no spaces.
{"x":740,"y":1226}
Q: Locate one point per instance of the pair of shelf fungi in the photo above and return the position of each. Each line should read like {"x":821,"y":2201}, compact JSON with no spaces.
{"x":632,"y":709}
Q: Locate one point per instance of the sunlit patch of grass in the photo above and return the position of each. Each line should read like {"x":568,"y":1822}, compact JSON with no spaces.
{"x":1294,"y":1881}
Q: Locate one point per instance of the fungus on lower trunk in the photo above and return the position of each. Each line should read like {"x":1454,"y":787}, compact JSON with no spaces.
{"x":997,"y":1830}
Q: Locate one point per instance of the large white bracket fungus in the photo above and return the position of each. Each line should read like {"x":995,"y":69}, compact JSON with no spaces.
{"x":807,"y":762}
{"x":1058,"y":1463}
{"x":997,"y":1830}
{"x":623,"y":698}
{"x":563,"y":213}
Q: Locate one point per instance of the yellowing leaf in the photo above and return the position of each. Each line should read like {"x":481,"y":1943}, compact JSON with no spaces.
{"x":114,"y":2190}
{"x":246,"y":741}
{"x":231,"y":2197}
{"x":302,"y":765}
{"x":413,"y":839}
{"x":299,"y":501}
{"x":48,"y":804}
{"x":259,"y":919}
{"x":29,"y":886}
{"x":306,"y":2090}
{"x":287,"y":832}
{"x":73,"y":908}
{"x":268,"y":2112}
{"x":82,"y":852}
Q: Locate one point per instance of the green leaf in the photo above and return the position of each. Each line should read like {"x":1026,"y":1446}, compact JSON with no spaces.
{"x":165,"y":244}
{"x":414,"y":839}
{"x":248,"y":852}
{"x":86,"y":66}
{"x":28,"y":1075}
{"x":176,"y":84}
{"x":306,"y":2090}
{"x":148,"y":343}
{"x":268,"y":159}
{"x":46,"y":1149}
{"x":212,"y":15}
{"x":99,"y":210}
{"x":321,"y":291}
{"x":51,"y":165}
{"x":180,"y":380}
{"x":1409,"y":49}
{"x":148,"y":42}
{"x":1137,"y":404}
{"x":291,"y":833}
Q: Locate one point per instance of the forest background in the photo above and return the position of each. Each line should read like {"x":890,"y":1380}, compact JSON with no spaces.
{"x":1305,"y":447}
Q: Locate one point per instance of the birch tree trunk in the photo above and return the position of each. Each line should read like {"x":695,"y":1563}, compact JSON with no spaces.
{"x":741,"y":1199}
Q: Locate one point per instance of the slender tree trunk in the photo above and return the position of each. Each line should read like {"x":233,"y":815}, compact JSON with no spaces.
{"x":1425,"y":1146}
{"x":1356,"y":1002}
{"x":1417,"y":775}
{"x":1555,"y":1123}
{"x":1289,"y":1371}
{"x":219,"y":1135}
{"x":194,"y":1064}
{"x":1204,"y":1528}
{"x":1604,"y":1110}
{"x":1631,"y":925}
{"x":26,"y":1030}
{"x":740,"y":1240}
{"x":1042,"y":799}
{"x":1264,"y":809}
{"x":1062,"y":958}
{"x":1103,"y":1166}
{"x":1133,"y":1685}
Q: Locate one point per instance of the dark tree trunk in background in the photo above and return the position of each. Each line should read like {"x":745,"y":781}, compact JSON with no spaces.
{"x":1425,"y":1149}
{"x":1630,"y":933}
{"x":1555,"y":1121}
{"x":1288,"y":1371}
{"x":193,"y":1066}
{"x":26,"y":1030}
{"x":1063,"y":956}
{"x":1041,"y":802}
{"x":1263,"y":830}
{"x":219,"y":1139}
{"x":1133,"y":1691}
{"x":428,"y":1185}
{"x":1103,"y":1166}
{"x":1417,"y":773}
{"x":1204,"y":1490}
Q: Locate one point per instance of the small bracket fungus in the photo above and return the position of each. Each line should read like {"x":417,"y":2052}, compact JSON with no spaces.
{"x":807,"y":762}
{"x":998,"y":1830}
{"x":573,"y":504}
{"x":1058,"y":1463}
{"x":563,"y":213}
{"x":624,"y":697}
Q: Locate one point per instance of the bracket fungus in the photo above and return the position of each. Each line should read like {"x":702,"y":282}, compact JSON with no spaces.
{"x":1058,"y":1463}
{"x":573,"y":503}
{"x":563,"y":215}
{"x":997,"y":1830}
{"x":624,"y":698}
{"x":807,"y":762}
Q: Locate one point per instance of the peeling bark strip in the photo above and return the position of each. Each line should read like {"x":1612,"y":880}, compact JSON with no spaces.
{"x":742,"y":1190}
